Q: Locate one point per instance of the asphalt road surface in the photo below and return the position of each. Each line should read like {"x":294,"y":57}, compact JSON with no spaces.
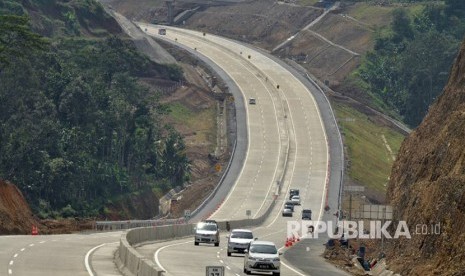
{"x":286,"y":142}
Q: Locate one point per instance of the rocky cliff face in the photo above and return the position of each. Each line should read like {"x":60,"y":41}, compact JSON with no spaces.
{"x":15,"y":215}
{"x":427,"y":187}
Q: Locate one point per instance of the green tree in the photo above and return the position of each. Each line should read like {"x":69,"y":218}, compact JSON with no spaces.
{"x":16,"y":39}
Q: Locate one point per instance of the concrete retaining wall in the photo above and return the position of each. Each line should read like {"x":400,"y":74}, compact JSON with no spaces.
{"x":132,"y":263}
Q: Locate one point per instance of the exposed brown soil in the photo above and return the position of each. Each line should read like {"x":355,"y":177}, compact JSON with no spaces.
{"x":427,"y":186}
{"x":264,"y":23}
{"x":339,"y":29}
{"x":342,"y":256}
{"x":197,"y":97}
{"x":15,"y":215}
{"x":17,"y":218}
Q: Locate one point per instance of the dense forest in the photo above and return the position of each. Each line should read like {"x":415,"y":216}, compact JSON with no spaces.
{"x":77,"y":126}
{"x":412,"y":57}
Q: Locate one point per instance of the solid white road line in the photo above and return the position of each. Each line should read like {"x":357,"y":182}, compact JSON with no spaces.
{"x":86,"y":259}
{"x":155,"y":256}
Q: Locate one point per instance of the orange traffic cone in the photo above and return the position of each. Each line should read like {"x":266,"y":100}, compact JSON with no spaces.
{"x":287,"y":242}
{"x":35,"y":231}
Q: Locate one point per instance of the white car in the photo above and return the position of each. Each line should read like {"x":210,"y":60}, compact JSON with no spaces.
{"x":239,"y":240}
{"x":296,"y":199}
{"x":207,"y":232}
{"x":262,"y":256}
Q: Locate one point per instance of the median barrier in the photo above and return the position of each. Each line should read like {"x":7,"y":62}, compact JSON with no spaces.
{"x":132,"y":263}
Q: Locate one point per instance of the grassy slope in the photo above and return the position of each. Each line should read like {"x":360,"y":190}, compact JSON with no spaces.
{"x":370,"y":160}
{"x":203,"y":121}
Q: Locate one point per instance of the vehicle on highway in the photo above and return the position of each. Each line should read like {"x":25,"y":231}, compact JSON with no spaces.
{"x":252,"y":101}
{"x":207,"y":232}
{"x":307,"y":214}
{"x":262,"y":256}
{"x":293,"y":192}
{"x":162,"y":31}
{"x":287,"y":212}
{"x":239,"y":241}
{"x":296,"y":200}
{"x":290,"y":205}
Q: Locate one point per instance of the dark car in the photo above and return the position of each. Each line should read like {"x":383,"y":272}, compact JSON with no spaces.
{"x":293,"y":192}
{"x":307,"y":214}
{"x":289,"y":205}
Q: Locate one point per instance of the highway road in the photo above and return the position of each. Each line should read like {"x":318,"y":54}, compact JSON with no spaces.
{"x":51,"y":254}
{"x":287,"y":142}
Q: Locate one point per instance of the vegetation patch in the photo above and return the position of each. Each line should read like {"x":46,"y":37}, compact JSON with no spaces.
{"x":370,"y":160}
{"x":77,"y":126}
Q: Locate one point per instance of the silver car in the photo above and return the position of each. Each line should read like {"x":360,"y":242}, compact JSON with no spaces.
{"x":262,"y":256}
{"x":239,"y":240}
{"x":207,"y":232}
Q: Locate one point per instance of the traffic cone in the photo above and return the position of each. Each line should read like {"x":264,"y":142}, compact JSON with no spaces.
{"x":298,"y":239}
{"x":35,"y":231}
{"x":287,"y":242}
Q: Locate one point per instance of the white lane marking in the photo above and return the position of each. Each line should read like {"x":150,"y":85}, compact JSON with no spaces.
{"x":327,"y":155}
{"x":22,"y":249}
{"x":290,"y":268}
{"x":86,"y":259}
{"x":42,"y":242}
{"x":321,"y":124}
{"x":31,"y":245}
{"x":16,"y":255}
{"x":221,"y":261}
{"x":155,"y":256}
{"x":11,"y":262}
{"x":227,"y":267}
{"x":246,"y":153}
{"x":248,"y":134}
{"x":10,"y":271}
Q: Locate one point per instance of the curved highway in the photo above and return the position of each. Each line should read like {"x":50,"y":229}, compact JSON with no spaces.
{"x":50,"y":255}
{"x":287,"y":145}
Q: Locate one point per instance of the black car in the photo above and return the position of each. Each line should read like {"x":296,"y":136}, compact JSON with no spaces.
{"x":307,"y":214}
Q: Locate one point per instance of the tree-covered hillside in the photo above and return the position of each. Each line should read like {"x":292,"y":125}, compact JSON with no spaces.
{"x":77,"y":127}
{"x":412,"y":58}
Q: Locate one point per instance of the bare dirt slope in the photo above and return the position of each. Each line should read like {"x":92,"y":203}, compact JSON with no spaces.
{"x":428,"y":186}
{"x":15,"y":215}
{"x":264,"y":23}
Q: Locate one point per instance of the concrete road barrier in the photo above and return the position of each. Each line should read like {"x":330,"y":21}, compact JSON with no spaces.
{"x":132,"y":263}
